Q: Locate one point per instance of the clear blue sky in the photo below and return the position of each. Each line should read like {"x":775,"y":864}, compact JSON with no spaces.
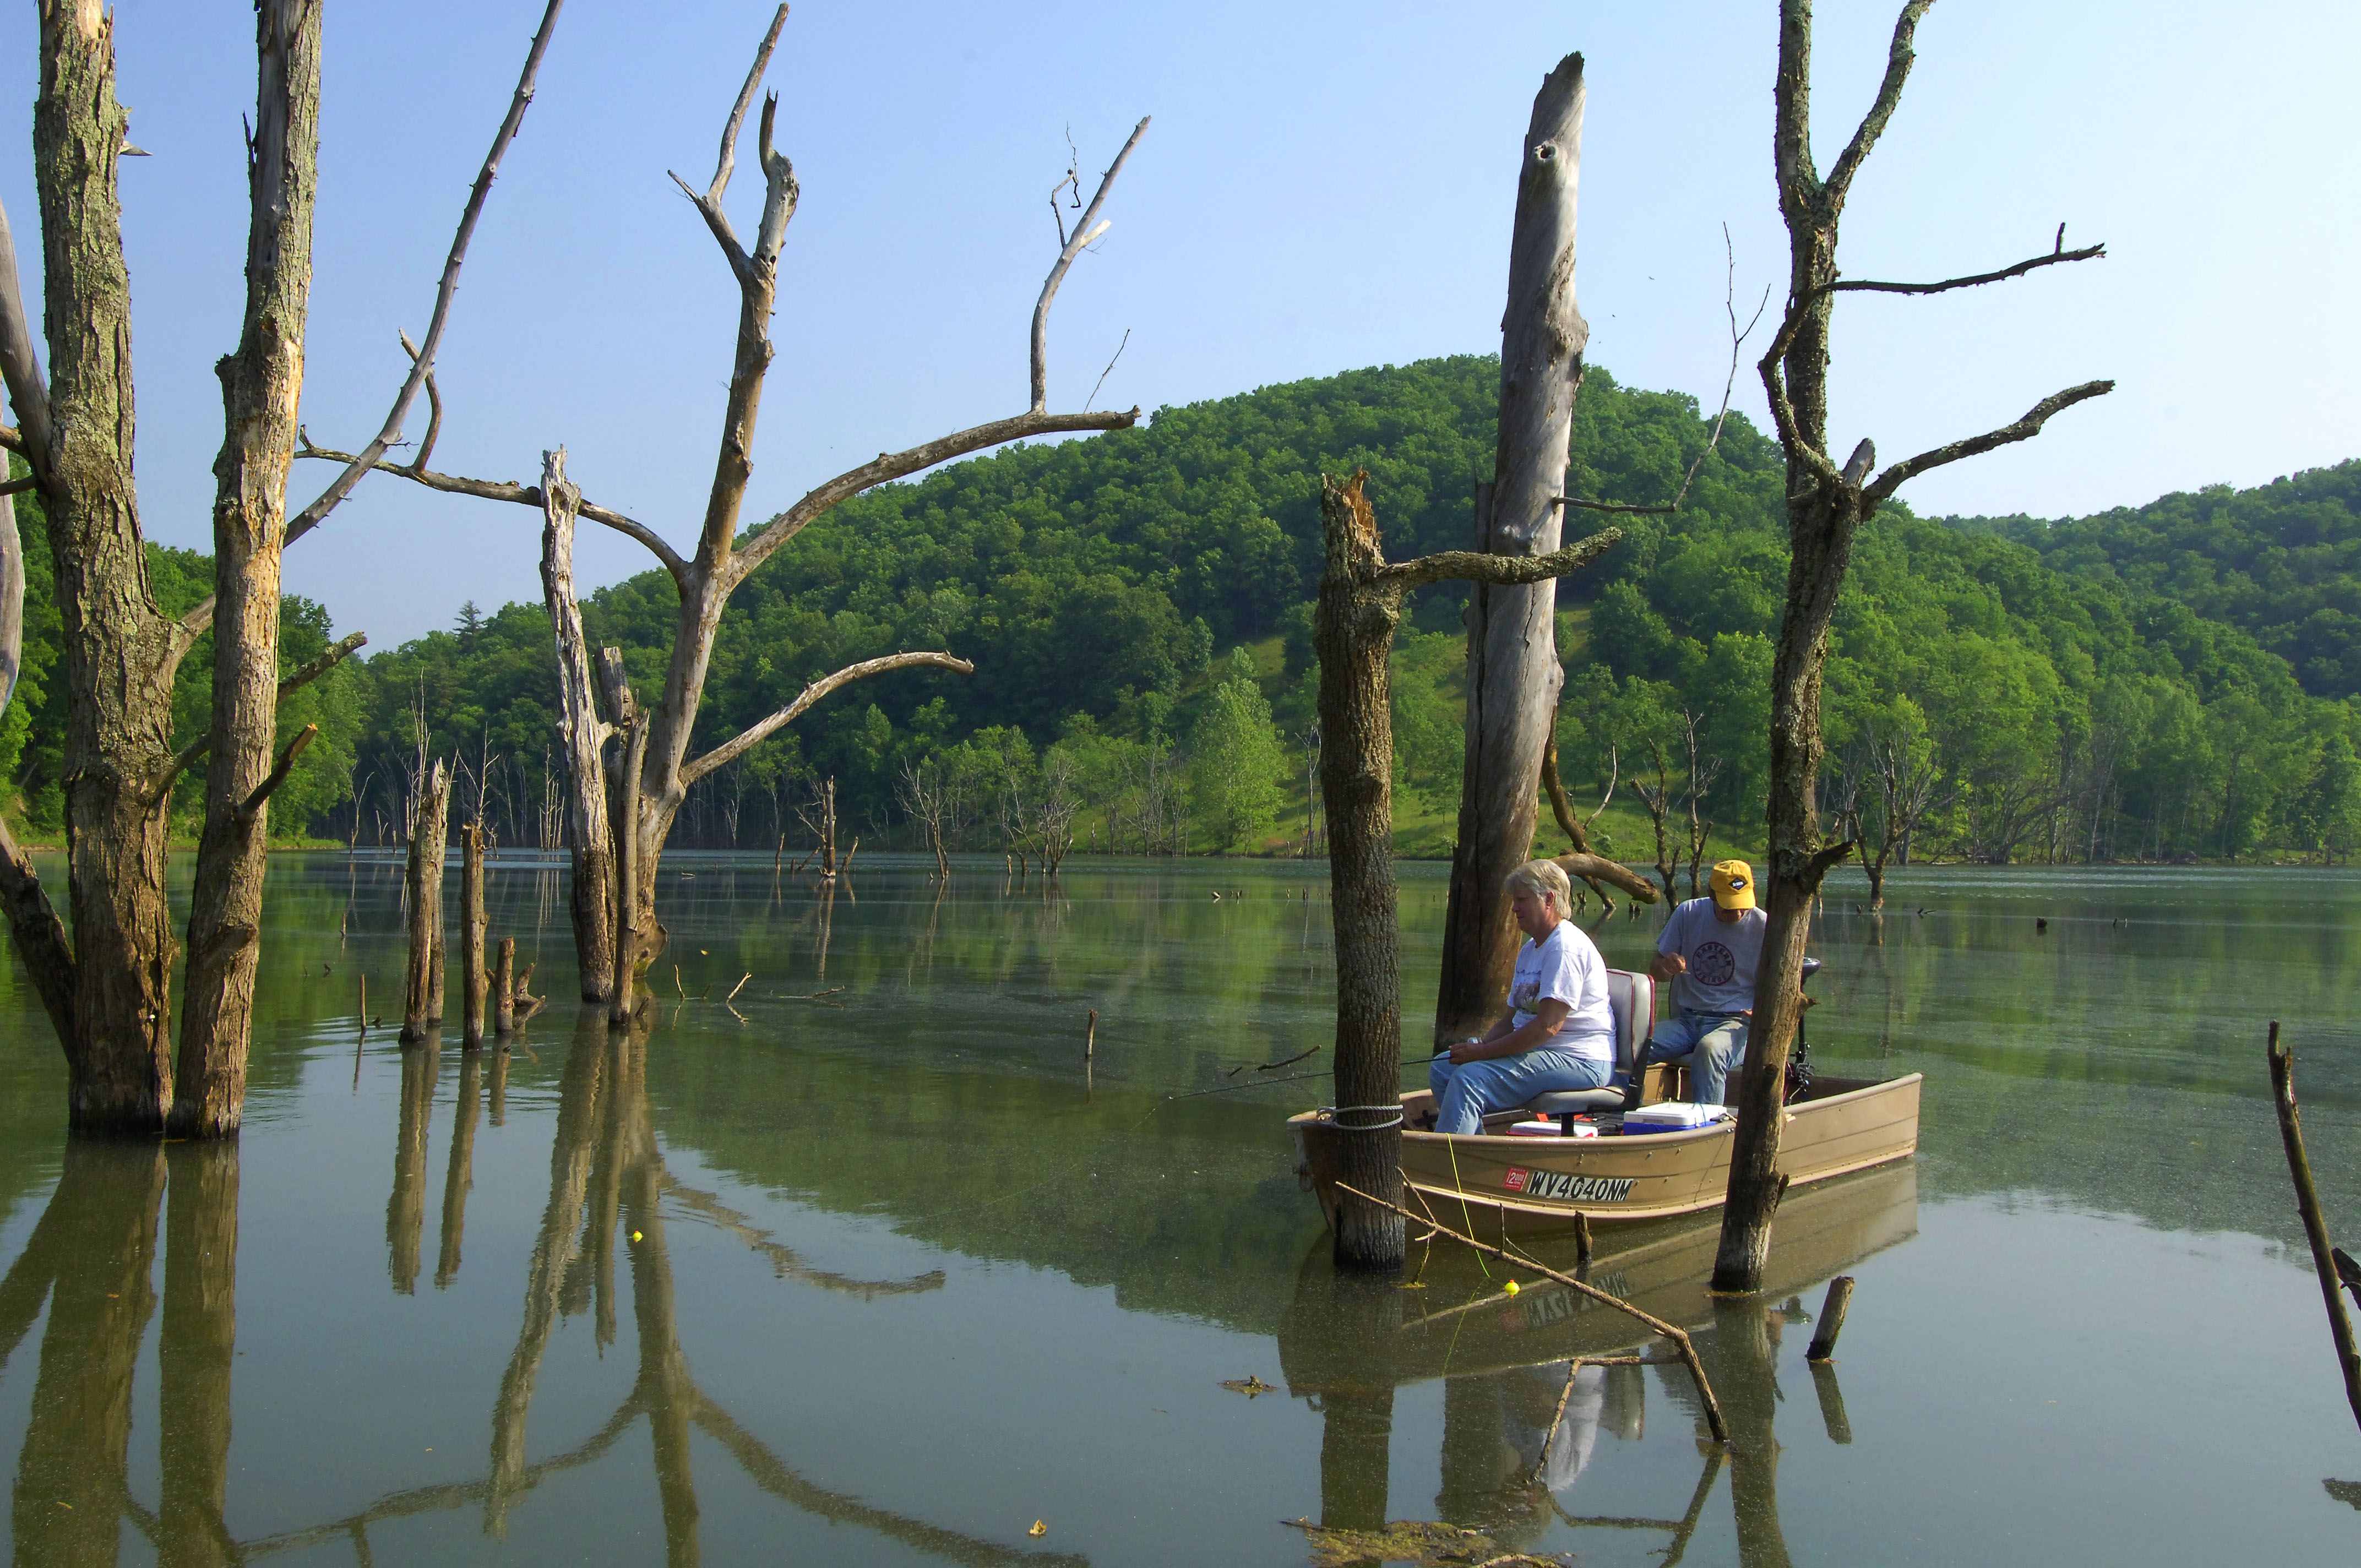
{"x":1324,"y":186}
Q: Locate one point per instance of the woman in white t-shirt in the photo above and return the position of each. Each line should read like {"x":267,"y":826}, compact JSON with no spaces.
{"x":1559,"y":1032}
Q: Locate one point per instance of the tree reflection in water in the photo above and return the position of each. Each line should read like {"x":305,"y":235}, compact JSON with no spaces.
{"x":92,"y":1258}
{"x":1509,"y":1463}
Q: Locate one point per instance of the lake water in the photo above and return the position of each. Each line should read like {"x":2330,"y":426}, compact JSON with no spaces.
{"x":866,"y":1266}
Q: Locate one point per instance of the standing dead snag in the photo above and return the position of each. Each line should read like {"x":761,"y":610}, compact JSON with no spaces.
{"x":107,"y":990}
{"x":590,"y":834}
{"x":660,"y":769}
{"x":1360,"y":601}
{"x":1826,"y":506}
{"x":475,"y":976}
{"x":1512,"y":665}
{"x":421,"y":992}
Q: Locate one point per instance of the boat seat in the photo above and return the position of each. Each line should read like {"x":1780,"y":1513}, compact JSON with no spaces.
{"x":1632,"y":998}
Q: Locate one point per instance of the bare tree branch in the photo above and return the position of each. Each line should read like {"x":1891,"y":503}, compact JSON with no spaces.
{"x":14,"y":440}
{"x":891,"y":466}
{"x":761,"y":730}
{"x":1898,"y":58}
{"x":18,"y":487}
{"x":1086,"y":229}
{"x":1783,"y":411}
{"x":1108,"y":371}
{"x":417,"y":464}
{"x":2089,"y":253}
{"x":519,"y":495}
{"x":709,"y":203}
{"x":422,"y":362}
{"x":728,"y":157}
{"x":39,"y":936}
{"x":21,"y":362}
{"x":2025,"y":428}
{"x":252,"y":807}
{"x":1737,"y":337}
{"x":1477,"y":566}
{"x":335,"y":654}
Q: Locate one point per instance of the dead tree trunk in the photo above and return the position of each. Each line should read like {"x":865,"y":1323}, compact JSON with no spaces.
{"x":1658,"y":799}
{"x":421,"y":991}
{"x":107,"y":991}
{"x":631,"y":952}
{"x":589,"y":836}
{"x":1513,"y":674}
{"x":828,"y":830}
{"x":1360,"y":601}
{"x":473,"y":971}
{"x":262,"y":384}
{"x":1826,"y":506}
{"x":721,"y":560}
{"x":504,"y":990}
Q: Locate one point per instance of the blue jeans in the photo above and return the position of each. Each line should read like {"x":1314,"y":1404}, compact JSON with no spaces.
{"x":1712,"y":1044}
{"x":1463,"y":1092}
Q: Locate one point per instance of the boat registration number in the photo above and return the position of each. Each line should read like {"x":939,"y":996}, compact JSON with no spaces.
{"x":1566,"y":1187}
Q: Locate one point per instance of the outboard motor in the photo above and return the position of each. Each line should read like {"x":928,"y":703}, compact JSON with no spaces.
{"x":1799,"y":1063}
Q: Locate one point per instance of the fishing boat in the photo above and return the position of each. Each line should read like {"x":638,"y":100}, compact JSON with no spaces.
{"x":1496,"y":1183}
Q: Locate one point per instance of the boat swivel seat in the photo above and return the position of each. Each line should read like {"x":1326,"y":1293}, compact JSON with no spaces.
{"x":1632,"y":997}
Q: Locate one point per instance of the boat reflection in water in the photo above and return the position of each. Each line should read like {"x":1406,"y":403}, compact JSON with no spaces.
{"x":1348,"y":1342}
{"x":91,"y":1257}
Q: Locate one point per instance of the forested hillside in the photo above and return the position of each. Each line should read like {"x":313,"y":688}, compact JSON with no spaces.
{"x":1138,"y":606}
{"x":2281,"y":562}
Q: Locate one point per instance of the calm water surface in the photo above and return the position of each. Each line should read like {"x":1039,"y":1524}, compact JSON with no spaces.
{"x":865,"y":1267}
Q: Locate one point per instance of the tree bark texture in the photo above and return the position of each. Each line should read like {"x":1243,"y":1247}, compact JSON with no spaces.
{"x":197,"y":1350}
{"x":121,"y":651}
{"x":422,"y":991}
{"x":1513,"y":674}
{"x":589,"y":836}
{"x":261,"y":385}
{"x":1353,"y":627}
{"x":1354,"y":631}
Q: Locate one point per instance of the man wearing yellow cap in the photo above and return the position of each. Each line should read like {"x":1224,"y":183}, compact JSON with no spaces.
{"x":1711,"y":946}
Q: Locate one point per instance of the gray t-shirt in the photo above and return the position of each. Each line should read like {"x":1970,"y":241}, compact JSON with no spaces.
{"x":1721,"y":958}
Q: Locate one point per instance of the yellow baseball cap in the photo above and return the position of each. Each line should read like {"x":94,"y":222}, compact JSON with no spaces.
{"x":1734,"y":884}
